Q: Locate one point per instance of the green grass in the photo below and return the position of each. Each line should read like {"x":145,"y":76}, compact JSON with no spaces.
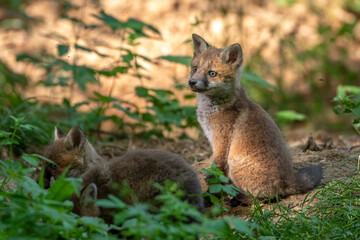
{"x":335,"y":214}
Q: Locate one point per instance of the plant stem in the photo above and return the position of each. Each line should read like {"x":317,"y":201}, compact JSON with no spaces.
{"x":16,"y":127}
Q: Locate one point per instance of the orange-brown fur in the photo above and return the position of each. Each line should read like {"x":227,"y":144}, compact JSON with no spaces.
{"x":247,"y":145}
{"x":139,"y":169}
{"x":71,"y":150}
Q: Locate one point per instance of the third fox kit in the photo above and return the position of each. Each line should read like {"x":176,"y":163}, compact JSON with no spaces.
{"x":247,"y":145}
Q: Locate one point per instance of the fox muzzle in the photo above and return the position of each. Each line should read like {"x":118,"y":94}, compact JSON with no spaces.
{"x":200,"y":85}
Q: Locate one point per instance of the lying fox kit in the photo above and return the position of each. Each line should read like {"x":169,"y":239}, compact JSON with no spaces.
{"x":73,"y":149}
{"x":140,"y":169}
{"x":246,"y":143}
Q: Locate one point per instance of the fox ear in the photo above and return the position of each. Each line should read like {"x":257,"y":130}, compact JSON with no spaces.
{"x":75,"y":138}
{"x":88,"y":193}
{"x":58,"y":133}
{"x":86,"y":202}
{"x":232,"y":55}
{"x":200,"y":45}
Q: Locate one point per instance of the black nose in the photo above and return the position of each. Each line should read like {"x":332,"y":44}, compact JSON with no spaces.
{"x":192,"y":82}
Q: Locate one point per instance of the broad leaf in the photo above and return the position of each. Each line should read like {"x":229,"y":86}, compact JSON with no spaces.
{"x":185,"y":60}
{"x":63,"y":188}
{"x":252,"y":77}
{"x":240,"y":225}
{"x":141,"y":92}
{"x":290,"y":115}
{"x":31,"y":159}
{"x":62,"y":49}
{"x":104,"y":99}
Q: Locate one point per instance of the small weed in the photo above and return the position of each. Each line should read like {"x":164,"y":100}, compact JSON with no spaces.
{"x":348,"y":103}
{"x":219,"y":187}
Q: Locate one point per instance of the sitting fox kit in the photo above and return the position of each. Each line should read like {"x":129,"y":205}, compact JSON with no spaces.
{"x":246,"y":143}
{"x":140,"y":169}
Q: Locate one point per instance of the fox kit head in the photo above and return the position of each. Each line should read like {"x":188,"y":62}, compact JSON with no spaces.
{"x":65,"y":150}
{"x":214,"y":70}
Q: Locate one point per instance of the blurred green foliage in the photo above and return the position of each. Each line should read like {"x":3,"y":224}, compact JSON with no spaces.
{"x":160,"y":116}
{"x":162,"y":112}
{"x":319,"y":68}
{"x":348,"y":103}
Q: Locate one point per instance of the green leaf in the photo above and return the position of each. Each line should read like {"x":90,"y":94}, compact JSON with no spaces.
{"x":343,"y":90}
{"x":17,"y":120}
{"x":215,"y":188}
{"x":231,"y":190}
{"x":42,"y":157}
{"x":141,"y":92}
{"x":240,"y":225}
{"x":109,"y":20}
{"x":8,"y":141}
{"x":32,"y":160}
{"x":23,"y":57}
{"x":356,"y":124}
{"x":347,"y":28}
{"x":28,"y":127}
{"x":133,"y":24}
{"x":114,"y":71}
{"x":5,"y":134}
{"x":92,"y":221}
{"x":103,"y":98}
{"x":127,"y":57}
{"x":197,"y":22}
{"x":77,"y":46}
{"x":84,"y":75}
{"x":83,"y":48}
{"x":161,"y":92}
{"x":252,"y":77}
{"x":189,"y":96}
{"x":139,"y":25}
{"x":106,"y":203}
{"x":62,"y":49}
{"x":217,"y":226}
{"x":336,"y":99}
{"x":112,"y":202}
{"x":290,"y":115}
{"x":185,"y":60}
{"x":63,"y":188}
{"x":224,"y":179}
{"x":338,"y":109}
{"x":127,"y":111}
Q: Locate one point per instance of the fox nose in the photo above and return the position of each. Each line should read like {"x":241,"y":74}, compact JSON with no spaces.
{"x":192,"y":82}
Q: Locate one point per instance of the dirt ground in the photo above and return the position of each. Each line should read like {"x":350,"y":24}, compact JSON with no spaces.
{"x":338,"y":155}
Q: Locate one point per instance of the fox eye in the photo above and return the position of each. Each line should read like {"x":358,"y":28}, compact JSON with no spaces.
{"x":212,"y":73}
{"x":195,"y":68}
{"x":53,"y":166}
